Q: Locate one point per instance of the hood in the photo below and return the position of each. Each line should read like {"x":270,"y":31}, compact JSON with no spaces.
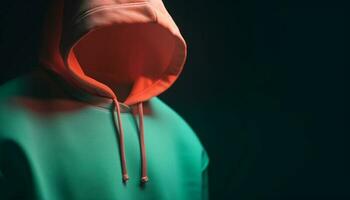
{"x":106,"y":47}
{"x":126,"y":50}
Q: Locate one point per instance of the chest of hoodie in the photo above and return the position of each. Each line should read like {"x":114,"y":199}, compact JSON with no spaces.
{"x":78,"y":151}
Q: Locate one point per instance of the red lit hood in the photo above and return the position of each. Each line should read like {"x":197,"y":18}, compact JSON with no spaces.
{"x":105,"y":46}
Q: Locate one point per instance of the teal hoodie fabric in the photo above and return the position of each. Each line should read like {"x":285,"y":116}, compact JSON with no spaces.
{"x":88,"y":124}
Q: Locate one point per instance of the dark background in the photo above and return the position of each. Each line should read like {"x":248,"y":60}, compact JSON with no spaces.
{"x":263,"y":86}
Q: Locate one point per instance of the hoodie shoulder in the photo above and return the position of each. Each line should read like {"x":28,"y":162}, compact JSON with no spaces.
{"x":20,"y":97}
{"x":182,"y":133}
{"x":169,"y":118}
{"x":35,"y":85}
{"x":161,"y":110}
{"x":8,"y":114}
{"x":32,"y":84}
{"x":13,"y":90}
{"x":13,"y":87}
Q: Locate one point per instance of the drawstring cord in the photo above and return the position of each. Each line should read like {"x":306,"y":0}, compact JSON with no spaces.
{"x":144,"y":176}
{"x":121,"y":140}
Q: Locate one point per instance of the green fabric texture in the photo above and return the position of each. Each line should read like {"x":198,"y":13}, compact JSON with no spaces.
{"x":54,"y":146}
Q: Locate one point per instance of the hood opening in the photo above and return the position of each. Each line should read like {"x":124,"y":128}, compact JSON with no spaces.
{"x":127,"y":58}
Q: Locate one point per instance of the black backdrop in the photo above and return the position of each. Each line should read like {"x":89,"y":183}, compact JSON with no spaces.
{"x":263,"y":86}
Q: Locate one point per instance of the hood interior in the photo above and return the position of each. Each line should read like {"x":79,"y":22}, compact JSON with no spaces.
{"x":120,"y":55}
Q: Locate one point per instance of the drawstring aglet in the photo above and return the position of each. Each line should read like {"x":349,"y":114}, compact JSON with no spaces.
{"x":125,"y":178}
{"x":144,"y":179}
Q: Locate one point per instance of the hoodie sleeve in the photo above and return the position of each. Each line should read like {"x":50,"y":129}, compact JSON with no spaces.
{"x":205,"y":181}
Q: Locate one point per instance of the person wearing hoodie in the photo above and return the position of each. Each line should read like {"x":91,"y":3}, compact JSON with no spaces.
{"x":87,"y":123}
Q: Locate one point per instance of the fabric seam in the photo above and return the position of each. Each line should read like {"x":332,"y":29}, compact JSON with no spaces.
{"x":77,"y":19}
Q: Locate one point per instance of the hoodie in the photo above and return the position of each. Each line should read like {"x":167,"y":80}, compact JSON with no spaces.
{"x":87,"y":123}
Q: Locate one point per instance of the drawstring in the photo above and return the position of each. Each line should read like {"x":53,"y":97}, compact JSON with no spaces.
{"x":121,"y":141}
{"x":144,"y":176}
